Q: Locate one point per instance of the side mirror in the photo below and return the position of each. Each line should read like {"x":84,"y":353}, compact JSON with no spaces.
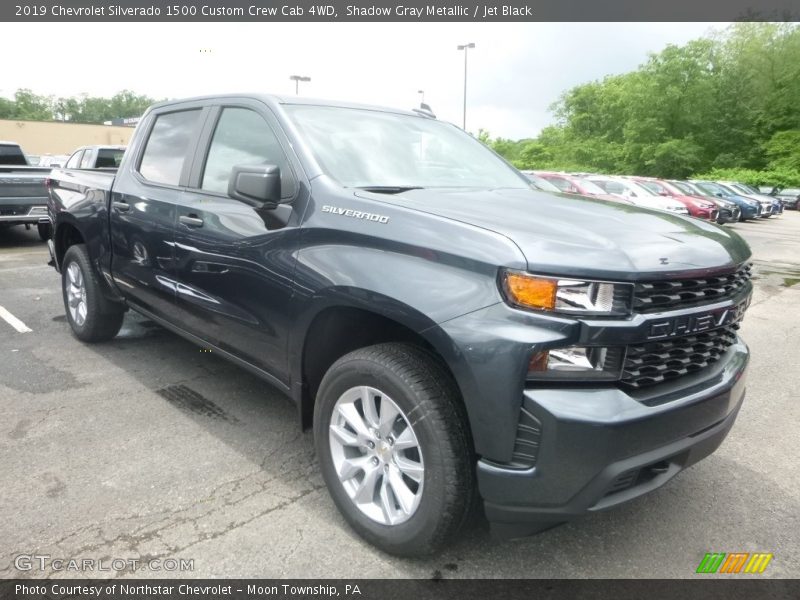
{"x":719,"y":194}
{"x":663,"y":193}
{"x":258,"y":186}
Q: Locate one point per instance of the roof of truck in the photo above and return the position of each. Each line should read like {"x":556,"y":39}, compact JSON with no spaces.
{"x":274,"y":99}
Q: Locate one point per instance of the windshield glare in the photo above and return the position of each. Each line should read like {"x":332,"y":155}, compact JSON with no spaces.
{"x":369,"y":148}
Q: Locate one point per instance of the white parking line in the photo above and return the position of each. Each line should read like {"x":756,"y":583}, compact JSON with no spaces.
{"x":14,"y":321}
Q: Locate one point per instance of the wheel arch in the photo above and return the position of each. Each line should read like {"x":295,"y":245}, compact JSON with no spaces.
{"x":340,"y":324}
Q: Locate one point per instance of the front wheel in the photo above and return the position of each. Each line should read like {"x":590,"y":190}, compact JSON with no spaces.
{"x":91,"y":316}
{"x":393,"y":444}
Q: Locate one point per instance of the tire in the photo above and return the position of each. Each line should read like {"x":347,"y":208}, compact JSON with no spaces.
{"x":92,"y":317}
{"x":44,"y":231}
{"x":414,"y":381}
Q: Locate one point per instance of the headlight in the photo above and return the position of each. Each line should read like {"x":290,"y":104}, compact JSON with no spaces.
{"x":577,"y":363}
{"x":567,"y":296}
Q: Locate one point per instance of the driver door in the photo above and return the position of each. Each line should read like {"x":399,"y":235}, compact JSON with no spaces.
{"x":234,"y":263}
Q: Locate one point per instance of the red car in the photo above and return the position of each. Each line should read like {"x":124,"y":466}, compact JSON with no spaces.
{"x":572,"y":184}
{"x":699,"y":207}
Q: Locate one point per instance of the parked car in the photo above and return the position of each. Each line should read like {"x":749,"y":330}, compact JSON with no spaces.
{"x":727,"y":211}
{"x":23,"y":196}
{"x":790,"y":197}
{"x":777,"y":205}
{"x":697,"y":206}
{"x":765,"y":202}
{"x":96,"y":157}
{"x":572,"y":184}
{"x":636,"y":194}
{"x":444,"y":341}
{"x":540,"y":183}
{"x":750,"y":208}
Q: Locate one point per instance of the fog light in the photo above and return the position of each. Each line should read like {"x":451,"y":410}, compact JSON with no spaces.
{"x":577,"y":363}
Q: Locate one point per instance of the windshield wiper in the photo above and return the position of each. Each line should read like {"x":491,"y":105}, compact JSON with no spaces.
{"x":390,"y":189}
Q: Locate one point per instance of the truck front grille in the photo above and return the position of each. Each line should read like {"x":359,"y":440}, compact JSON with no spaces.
{"x":653,"y":296}
{"x":655,"y":362}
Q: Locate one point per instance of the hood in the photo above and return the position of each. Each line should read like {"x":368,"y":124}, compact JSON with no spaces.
{"x":566,"y":235}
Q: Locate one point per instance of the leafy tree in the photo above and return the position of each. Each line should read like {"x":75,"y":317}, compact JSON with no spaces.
{"x":726,"y":101}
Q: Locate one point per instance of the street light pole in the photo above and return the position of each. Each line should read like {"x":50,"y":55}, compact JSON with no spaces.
{"x":465,"y":48}
{"x":297,"y":79}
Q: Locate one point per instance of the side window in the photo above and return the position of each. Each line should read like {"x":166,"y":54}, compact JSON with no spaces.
{"x":74,"y":160}
{"x":165,"y":152}
{"x":243,"y":137}
{"x":86,"y":161}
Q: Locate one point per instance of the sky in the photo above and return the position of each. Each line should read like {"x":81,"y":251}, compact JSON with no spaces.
{"x":515,"y":72}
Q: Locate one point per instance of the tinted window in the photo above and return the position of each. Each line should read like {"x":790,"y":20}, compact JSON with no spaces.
{"x":75,"y":160}
{"x":12,"y":155}
{"x":242,"y":137}
{"x":109,"y":158}
{"x":163,"y":158}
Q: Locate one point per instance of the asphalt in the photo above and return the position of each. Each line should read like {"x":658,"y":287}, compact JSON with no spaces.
{"x":147,"y":448}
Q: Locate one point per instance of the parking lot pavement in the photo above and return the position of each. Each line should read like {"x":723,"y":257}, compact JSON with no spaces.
{"x":146,"y":447}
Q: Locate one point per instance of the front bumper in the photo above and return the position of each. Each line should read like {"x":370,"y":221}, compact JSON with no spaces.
{"x":600,"y":447}
{"x":728,"y":215}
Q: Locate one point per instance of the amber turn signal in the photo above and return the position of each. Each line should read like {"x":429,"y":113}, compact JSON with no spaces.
{"x":531,"y":292}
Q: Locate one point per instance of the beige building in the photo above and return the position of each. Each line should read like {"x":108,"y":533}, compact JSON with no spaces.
{"x":56,"y":137}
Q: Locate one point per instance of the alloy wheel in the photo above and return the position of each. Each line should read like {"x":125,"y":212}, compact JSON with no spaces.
{"x":76,"y":294}
{"x":377,"y":455}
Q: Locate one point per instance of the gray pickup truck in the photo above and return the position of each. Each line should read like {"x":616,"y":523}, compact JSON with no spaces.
{"x":450,"y":334}
{"x":23,"y":195}
{"x":96,"y":157}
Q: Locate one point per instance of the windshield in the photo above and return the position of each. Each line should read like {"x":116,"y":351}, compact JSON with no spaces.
{"x":639,"y":191}
{"x":540,"y":183}
{"x":686,"y":188}
{"x":590,"y":187}
{"x":654,"y":187}
{"x":712,"y":189}
{"x":369,"y":148}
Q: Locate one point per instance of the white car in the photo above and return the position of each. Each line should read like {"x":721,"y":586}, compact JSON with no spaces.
{"x":637,"y":194}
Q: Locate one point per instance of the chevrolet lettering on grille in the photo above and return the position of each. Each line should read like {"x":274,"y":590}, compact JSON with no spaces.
{"x":689,"y":324}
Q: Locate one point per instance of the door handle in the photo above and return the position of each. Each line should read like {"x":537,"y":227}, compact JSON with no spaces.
{"x":191,"y":220}
{"x":121,"y":206}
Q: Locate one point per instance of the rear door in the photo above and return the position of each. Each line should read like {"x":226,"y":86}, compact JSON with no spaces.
{"x":143,"y":208}
{"x":234,"y":262}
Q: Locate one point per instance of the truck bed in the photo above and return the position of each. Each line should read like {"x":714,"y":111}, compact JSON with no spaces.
{"x":23,"y":194}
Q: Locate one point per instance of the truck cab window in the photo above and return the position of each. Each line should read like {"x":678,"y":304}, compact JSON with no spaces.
{"x":86,"y":161}
{"x":243,"y":137}
{"x":74,"y":160}
{"x":165,"y":152}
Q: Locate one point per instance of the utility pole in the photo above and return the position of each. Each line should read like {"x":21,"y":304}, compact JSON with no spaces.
{"x":297,"y":79}
{"x":465,"y":48}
